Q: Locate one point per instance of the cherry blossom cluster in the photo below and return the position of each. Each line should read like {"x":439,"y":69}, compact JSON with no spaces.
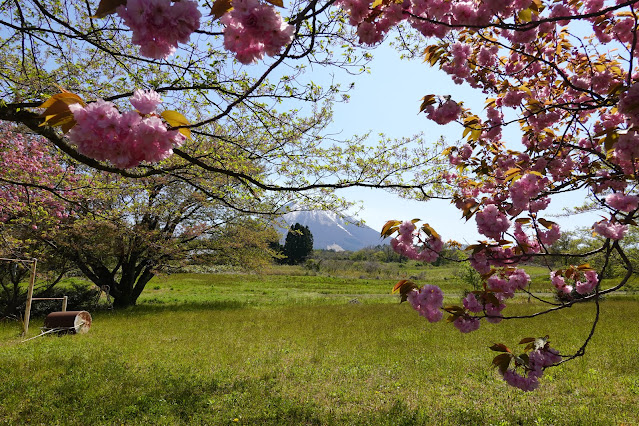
{"x":404,"y":244}
{"x":428,"y":302}
{"x":253,"y":29}
{"x":538,"y":360}
{"x":30,"y":161}
{"x":583,"y":282}
{"x":622,"y":202}
{"x":158,"y":25}
{"x":127,"y":139}
{"x":444,"y":113}
{"x":491,"y":222}
{"x":433,"y":18}
{"x":610,"y":229}
{"x":493,"y":311}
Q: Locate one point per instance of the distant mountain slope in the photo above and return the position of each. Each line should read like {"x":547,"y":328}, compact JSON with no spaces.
{"x":333,"y":233}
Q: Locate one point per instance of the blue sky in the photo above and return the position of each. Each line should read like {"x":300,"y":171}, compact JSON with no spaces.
{"x":387,"y":101}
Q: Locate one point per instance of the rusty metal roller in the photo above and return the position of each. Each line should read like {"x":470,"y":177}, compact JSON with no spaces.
{"x":70,"y":321}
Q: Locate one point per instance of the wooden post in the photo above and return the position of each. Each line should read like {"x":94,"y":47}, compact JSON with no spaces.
{"x":65,"y":300}
{"x":27,"y":311}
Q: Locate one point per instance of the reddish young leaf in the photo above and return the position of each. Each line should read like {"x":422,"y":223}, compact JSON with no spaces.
{"x":488,"y":274}
{"x":502,"y":362}
{"x":546,"y":223}
{"x":220,"y":7}
{"x":522,"y":359}
{"x":390,"y":227}
{"x":57,"y":111}
{"x":426,"y":101}
{"x":404,"y":287}
{"x":430,"y":231}
{"x":499,"y":347}
{"x":489,"y":297}
{"x":108,"y":7}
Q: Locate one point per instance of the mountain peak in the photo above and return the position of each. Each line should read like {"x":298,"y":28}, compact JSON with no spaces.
{"x":331,"y":232}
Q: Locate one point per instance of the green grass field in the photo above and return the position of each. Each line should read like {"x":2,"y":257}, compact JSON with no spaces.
{"x":291,"y":349}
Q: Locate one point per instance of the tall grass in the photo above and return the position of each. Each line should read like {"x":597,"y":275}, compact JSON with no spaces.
{"x":293,"y":284}
{"x":224,"y":363}
{"x":230,"y":359}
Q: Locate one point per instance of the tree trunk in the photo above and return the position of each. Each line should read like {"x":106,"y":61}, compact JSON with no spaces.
{"x":123,"y":301}
{"x":131,"y":285}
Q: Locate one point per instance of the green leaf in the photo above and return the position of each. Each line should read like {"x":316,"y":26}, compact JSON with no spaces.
{"x":525,"y":15}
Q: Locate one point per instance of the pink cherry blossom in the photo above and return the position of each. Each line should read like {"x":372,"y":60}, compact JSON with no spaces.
{"x":592,"y":279}
{"x":404,"y":244}
{"x":550,"y":236}
{"x":607,"y":229}
{"x":491,"y":222}
{"x":158,"y":25}
{"x":560,"y":283}
{"x":466,"y":324}
{"x":125,"y":140}
{"x":145,"y":101}
{"x":526,"y":383}
{"x":523,"y":191}
{"x":445,"y":113}
{"x":253,"y":29}
{"x":428,"y":302}
{"x":629,"y":101}
{"x":493,"y":313}
{"x":472,"y":304}
{"x":619,"y":201}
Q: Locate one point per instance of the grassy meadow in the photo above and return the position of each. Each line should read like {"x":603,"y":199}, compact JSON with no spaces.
{"x":286,"y":347}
